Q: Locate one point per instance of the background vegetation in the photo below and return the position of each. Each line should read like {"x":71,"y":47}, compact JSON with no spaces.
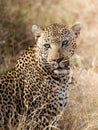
{"x":16,"y":19}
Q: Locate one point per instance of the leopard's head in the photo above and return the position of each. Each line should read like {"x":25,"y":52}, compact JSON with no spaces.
{"x":56,"y":44}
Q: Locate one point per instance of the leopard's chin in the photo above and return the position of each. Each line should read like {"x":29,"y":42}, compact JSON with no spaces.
{"x":61,"y":71}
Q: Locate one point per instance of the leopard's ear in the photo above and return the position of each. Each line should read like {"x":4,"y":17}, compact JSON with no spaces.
{"x":36,"y":31}
{"x":76,"y":29}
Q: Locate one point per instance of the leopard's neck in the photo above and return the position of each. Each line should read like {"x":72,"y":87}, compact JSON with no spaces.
{"x":60,"y":97}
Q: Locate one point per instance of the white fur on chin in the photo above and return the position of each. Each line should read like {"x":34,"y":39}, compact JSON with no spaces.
{"x":60,"y":71}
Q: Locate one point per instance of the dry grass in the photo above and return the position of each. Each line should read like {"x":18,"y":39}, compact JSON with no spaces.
{"x":82,"y":110}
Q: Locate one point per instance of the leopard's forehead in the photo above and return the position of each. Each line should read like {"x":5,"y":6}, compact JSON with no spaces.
{"x":56,"y":32}
{"x":57,"y":29}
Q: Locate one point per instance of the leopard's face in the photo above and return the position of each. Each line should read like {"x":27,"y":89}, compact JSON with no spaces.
{"x":56,"y":44}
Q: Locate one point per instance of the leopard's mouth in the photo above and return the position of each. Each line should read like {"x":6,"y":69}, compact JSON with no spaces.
{"x":60,"y":70}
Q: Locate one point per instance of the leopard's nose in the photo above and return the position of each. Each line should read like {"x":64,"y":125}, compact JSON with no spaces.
{"x":58,"y":60}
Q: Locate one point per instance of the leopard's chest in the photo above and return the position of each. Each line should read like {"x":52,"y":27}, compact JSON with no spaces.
{"x":40,"y":86}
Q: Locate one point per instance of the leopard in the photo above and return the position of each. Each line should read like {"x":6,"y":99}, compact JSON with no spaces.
{"x":37,"y":87}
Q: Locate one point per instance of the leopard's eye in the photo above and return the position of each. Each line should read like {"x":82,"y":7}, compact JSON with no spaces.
{"x":65,"y":43}
{"x":47,"y":46}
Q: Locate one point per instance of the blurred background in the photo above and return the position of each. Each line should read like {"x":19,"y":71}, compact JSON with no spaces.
{"x":16,"y":20}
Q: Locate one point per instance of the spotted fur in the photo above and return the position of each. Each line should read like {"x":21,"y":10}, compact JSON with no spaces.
{"x":37,"y":87}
